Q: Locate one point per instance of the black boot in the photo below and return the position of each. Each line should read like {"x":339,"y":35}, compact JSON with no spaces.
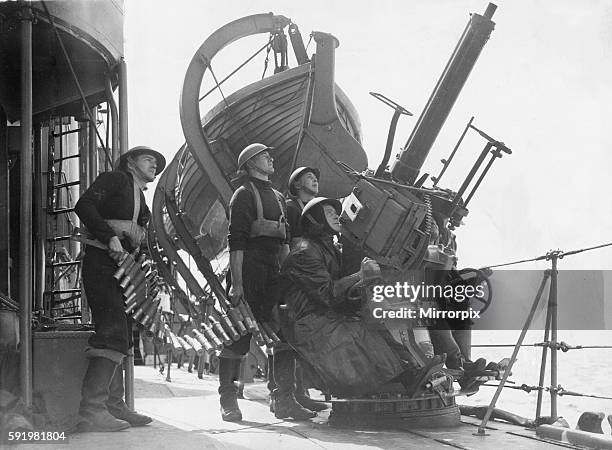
{"x":285,"y":404}
{"x":415,"y":379}
{"x":94,"y":393}
{"x":301,"y":393}
{"x":228,"y":373}
{"x":116,"y":405}
{"x":469,"y":381}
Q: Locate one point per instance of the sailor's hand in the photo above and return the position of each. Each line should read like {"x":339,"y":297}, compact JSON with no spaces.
{"x":370,"y":270}
{"x":115,"y":249}
{"x":236,"y":294}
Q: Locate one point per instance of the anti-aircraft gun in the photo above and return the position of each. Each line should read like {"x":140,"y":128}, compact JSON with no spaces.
{"x":388,"y":215}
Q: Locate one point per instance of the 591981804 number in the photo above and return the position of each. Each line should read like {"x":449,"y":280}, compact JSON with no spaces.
{"x":23,"y":436}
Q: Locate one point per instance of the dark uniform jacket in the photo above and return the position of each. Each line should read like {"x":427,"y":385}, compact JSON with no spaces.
{"x":346,"y":356}
{"x":111,"y":196}
{"x":294,"y":215}
{"x":243,"y":212}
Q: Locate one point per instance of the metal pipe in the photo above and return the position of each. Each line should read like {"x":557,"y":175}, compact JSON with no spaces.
{"x":390,"y":138}
{"x":92,"y":148}
{"x":324,"y":110}
{"x":470,"y":175}
{"x":112,"y":107}
{"x":123,"y":108}
{"x":483,"y":425}
{"x":543,"y":363}
{"x":406,"y":167}
{"x":5,"y":238}
{"x":25,"y":213}
{"x":123,"y":148}
{"x":40,"y":221}
{"x":494,"y":155}
{"x":553,"y":335}
{"x":446,"y":162}
{"x":128,"y":366}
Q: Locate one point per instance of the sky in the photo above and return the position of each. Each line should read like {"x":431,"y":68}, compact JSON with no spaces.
{"x":542,"y":85}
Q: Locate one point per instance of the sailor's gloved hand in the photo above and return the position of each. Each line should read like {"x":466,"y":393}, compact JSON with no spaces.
{"x":115,"y":249}
{"x":370,"y":271}
{"x":236,"y":293}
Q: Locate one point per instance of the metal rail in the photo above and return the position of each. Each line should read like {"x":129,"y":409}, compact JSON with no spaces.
{"x":25,"y":212}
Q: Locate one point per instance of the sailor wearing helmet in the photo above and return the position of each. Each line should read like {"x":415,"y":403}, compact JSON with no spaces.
{"x":345,"y":356}
{"x":258,"y":243}
{"x":303,"y":187}
{"x":114,"y":196}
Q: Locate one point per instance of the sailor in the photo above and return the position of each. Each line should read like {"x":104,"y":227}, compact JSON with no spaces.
{"x":453,"y":336}
{"x":303,"y":186}
{"x":346,"y":356}
{"x":116,"y":197}
{"x":258,"y":243}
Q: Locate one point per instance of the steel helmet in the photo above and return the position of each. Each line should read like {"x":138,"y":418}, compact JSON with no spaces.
{"x":322,"y":201}
{"x":297,"y":173}
{"x":250,"y":151}
{"x":143,"y":150}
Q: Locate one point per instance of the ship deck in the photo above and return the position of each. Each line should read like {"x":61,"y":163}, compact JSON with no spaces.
{"x":187,"y":416}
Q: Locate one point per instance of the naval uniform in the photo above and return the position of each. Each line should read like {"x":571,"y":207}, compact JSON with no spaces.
{"x":112,"y":195}
{"x":261,"y":263}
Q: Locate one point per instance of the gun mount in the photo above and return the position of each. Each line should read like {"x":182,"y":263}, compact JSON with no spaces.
{"x":300,"y":111}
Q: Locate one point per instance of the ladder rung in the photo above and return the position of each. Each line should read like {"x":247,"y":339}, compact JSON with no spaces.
{"x":62,"y":211}
{"x":67,"y":132}
{"x":66,"y":157}
{"x":63,"y":185}
{"x":72,"y":316}
{"x":63,"y":291}
{"x":62,"y":308}
{"x":66,"y":300}
{"x":59,"y":238}
{"x":67,"y":263}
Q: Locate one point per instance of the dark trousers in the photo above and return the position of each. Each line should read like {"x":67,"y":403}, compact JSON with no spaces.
{"x":260,"y":276}
{"x":113,"y":327}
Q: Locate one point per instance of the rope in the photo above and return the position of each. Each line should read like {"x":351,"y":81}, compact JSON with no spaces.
{"x":561,"y":255}
{"x":227,"y":105}
{"x":236,"y":70}
{"x":573,"y":252}
{"x":560,"y":346}
{"x":559,"y":390}
{"x":267,"y":60}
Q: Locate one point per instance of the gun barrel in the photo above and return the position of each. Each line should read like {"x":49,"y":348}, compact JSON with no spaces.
{"x":406,"y":168}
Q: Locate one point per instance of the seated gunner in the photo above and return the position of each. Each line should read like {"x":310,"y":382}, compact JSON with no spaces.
{"x":348,"y":358}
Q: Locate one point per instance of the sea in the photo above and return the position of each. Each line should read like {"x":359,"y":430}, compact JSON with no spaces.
{"x":583,"y":371}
